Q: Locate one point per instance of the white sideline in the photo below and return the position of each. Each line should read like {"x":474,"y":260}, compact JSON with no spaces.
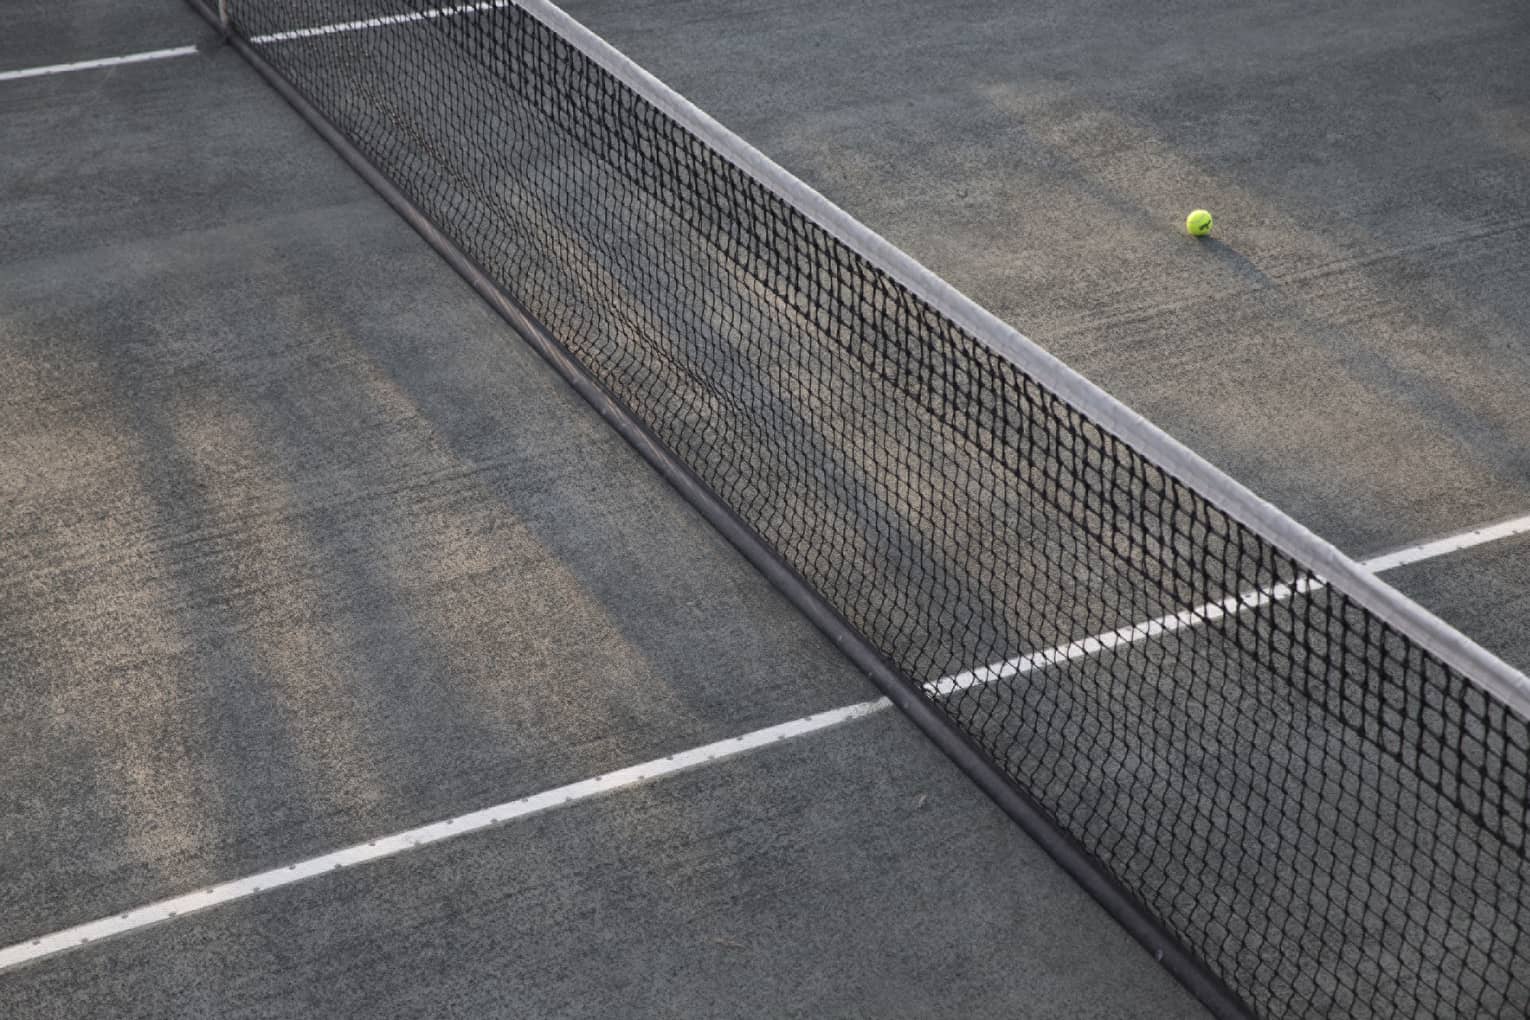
{"x":271,"y":37}
{"x":1209,"y":611}
{"x":1204,"y":613}
{"x":1448,"y":544}
{"x":362,"y":24}
{"x":389,"y":846}
{"x":91,"y":65}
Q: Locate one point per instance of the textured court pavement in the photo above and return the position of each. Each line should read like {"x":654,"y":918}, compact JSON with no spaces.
{"x":300,"y":546}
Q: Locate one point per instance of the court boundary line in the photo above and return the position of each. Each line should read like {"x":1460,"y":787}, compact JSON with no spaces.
{"x":206,"y":897}
{"x":291,"y":35}
{"x":1461,"y":540}
{"x":144,"y":56}
{"x":1210,"y":612}
{"x":217,"y":894}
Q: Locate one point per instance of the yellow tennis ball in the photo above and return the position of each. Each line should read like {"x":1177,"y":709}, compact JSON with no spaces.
{"x":1198,"y":223}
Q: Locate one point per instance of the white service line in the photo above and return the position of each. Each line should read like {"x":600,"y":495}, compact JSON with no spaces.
{"x":359,"y":25}
{"x":389,"y":846}
{"x":1449,"y":544}
{"x":1167,"y":624}
{"x":1209,"y":611}
{"x":363,"y":24}
{"x":90,"y":65}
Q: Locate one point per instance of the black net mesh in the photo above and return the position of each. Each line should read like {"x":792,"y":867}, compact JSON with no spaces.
{"x":1329,"y":817}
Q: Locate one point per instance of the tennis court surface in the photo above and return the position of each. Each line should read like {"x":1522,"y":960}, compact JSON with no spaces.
{"x":481,"y":538}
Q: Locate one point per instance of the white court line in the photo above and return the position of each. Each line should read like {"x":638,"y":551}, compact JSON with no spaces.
{"x":1448,"y":544}
{"x":389,"y":846}
{"x":362,"y":24}
{"x":1210,"y":611}
{"x":272,"y":37}
{"x":90,"y":65}
{"x":203,"y":899}
{"x":1167,"y":624}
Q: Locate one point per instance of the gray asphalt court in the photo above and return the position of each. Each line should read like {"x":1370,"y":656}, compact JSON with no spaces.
{"x":301,"y":546}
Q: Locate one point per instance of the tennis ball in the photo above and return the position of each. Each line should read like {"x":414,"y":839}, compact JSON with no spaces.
{"x":1198,"y":223}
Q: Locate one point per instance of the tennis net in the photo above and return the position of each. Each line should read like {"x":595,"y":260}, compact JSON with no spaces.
{"x":1318,"y":789}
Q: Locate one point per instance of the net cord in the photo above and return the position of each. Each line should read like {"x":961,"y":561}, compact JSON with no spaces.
{"x":1498,"y":678}
{"x":1118,"y":901}
{"x":1505,"y":683}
